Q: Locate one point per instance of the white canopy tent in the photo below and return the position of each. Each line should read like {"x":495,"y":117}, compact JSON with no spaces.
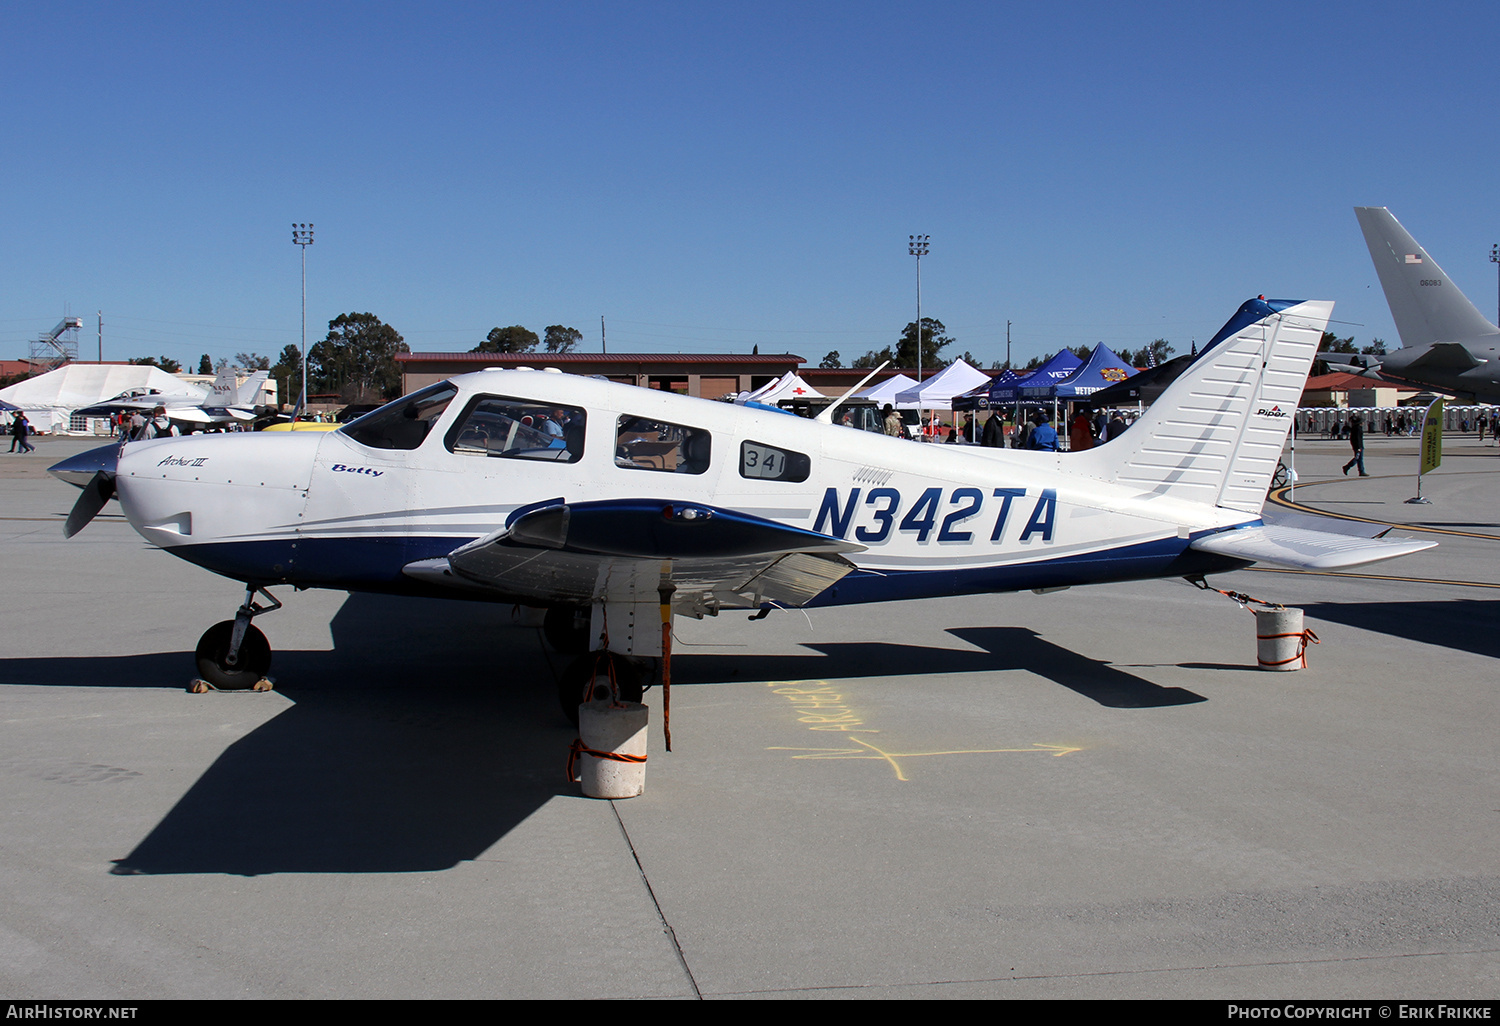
{"x":885,"y":392}
{"x":937,"y":392}
{"x":49,"y":399}
{"x":789,"y":386}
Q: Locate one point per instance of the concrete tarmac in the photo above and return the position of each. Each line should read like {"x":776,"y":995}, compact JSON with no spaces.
{"x":1092,"y":793}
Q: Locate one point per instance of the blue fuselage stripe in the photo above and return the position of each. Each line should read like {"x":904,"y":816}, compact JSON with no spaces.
{"x":375,"y":564}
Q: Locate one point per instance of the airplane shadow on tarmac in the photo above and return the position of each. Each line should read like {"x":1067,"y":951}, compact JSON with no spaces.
{"x":1465,"y":625}
{"x":428,"y":733}
{"x":1003,"y":648}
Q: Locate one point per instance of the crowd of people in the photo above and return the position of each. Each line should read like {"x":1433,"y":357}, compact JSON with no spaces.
{"x":1401,"y":423}
{"x":1032,"y":429}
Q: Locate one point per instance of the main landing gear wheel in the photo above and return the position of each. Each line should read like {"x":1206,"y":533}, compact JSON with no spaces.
{"x":213,"y":657}
{"x":1280,"y":478}
{"x":587,"y":678}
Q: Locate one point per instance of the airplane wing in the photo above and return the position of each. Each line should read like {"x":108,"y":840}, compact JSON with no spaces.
{"x":1300,"y":549}
{"x":628,"y":549}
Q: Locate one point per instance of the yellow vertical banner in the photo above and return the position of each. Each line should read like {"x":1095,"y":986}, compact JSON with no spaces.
{"x":1432,"y":438}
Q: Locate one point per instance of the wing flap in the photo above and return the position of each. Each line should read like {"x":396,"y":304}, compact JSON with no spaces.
{"x":1301,"y":549}
{"x":657,"y":529}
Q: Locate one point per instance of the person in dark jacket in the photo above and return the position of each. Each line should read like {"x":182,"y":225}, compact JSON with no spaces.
{"x":20,"y":427}
{"x":1357,"y":442}
{"x":994,"y":432}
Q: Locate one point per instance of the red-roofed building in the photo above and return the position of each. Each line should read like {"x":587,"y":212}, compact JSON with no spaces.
{"x":1352,"y":390}
{"x":706,"y":375}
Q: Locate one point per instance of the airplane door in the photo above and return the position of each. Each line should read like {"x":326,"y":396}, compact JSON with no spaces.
{"x":360,"y":523}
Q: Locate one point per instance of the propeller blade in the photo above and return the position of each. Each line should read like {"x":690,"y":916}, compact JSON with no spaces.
{"x":99,"y":490}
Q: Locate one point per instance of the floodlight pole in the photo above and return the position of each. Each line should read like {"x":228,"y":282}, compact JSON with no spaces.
{"x":302,"y":235}
{"x":917,"y":247}
{"x":1495,"y":259}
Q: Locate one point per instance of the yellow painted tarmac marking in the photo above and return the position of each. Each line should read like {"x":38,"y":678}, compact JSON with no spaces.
{"x":891,"y":758}
{"x":822,"y":708}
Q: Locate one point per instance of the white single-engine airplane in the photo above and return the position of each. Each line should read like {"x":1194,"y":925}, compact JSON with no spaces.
{"x":616,"y":507}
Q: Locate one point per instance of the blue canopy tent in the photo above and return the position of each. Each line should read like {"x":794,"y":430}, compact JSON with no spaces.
{"x":1038,"y":384}
{"x":1102,"y":369}
{"x":1000,"y":391}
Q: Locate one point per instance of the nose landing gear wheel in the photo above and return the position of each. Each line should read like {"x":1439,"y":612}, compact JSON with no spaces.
{"x":213,"y":657}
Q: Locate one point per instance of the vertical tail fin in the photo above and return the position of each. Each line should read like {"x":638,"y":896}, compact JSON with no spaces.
{"x":1425,"y":304}
{"x":1216,"y":433}
{"x":222,"y":393}
{"x":250,"y":391}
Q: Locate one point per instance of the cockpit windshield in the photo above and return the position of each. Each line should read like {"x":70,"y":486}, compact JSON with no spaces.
{"x":404,"y":423}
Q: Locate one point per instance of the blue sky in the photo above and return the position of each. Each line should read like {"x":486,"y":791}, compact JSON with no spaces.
{"x":714,"y":176}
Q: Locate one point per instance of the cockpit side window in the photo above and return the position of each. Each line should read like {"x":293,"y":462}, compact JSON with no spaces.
{"x":404,"y":423}
{"x":642,"y":444}
{"x":522,"y":429}
{"x":769,"y":463}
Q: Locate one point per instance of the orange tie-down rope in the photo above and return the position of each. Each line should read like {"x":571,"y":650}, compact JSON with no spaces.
{"x":666,"y":674}
{"x":578,"y":749}
{"x":1306,"y":636}
{"x":1245,"y":601}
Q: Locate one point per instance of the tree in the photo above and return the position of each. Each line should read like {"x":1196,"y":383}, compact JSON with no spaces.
{"x":970,"y":359}
{"x":874,"y":358}
{"x":1375,"y":348}
{"x":165,"y":363}
{"x":252,"y":361}
{"x":288,"y":374}
{"x":559,"y":339}
{"x":514,"y":339}
{"x":933,"y":340}
{"x":357,"y":359}
{"x":1158,"y":352}
{"x":1331,"y":343}
{"x":831,"y":361}
{"x":205,"y":365}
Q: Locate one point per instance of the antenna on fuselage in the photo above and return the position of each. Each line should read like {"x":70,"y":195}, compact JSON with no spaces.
{"x":826,"y":417}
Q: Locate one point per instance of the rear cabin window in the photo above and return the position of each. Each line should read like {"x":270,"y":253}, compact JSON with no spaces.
{"x":518,"y":429}
{"x":642,"y":444}
{"x":404,"y":423}
{"x":764,"y":462}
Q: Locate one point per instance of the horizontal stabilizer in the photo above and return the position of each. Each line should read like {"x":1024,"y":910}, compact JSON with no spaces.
{"x":1447,"y":356}
{"x":1300,"y":549}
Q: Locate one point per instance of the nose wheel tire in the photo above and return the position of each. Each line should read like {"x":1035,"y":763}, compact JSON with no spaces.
{"x":213,"y":657}
{"x":587,"y":677}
